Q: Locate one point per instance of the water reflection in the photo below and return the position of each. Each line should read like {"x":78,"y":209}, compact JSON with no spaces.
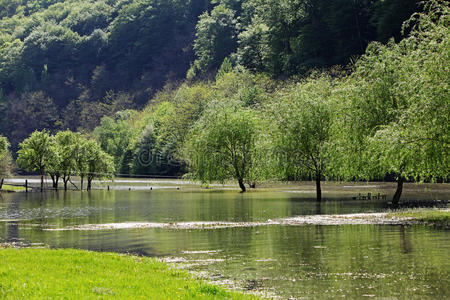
{"x":405,"y":241}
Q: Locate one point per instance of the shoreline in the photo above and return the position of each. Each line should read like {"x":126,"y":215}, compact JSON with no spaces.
{"x":81,"y":274}
{"x":346,"y":189}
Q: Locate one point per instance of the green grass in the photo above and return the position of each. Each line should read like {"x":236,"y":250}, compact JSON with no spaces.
{"x":435,"y":217}
{"x":11,"y":188}
{"x":78,"y":274}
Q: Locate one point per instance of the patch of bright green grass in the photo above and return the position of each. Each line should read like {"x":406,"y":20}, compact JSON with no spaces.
{"x":436,"y":217}
{"x":78,"y":274}
{"x":11,"y":188}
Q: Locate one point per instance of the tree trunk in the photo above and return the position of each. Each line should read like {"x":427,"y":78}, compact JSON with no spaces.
{"x":55,"y":179}
{"x":82,"y":179}
{"x":1,"y":183}
{"x":398,"y":192}
{"x":65,"y":180}
{"x":242,"y":185}
{"x":42,"y":183}
{"x":89,"y":184}
{"x":318,"y":188}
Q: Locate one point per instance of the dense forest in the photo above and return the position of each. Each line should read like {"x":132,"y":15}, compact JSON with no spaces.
{"x":247,"y":90}
{"x":66,"y":64}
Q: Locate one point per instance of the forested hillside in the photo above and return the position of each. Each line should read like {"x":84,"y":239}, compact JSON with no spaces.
{"x":66,"y":64}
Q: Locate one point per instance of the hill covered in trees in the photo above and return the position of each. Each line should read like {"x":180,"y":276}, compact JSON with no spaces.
{"x":66,"y":64}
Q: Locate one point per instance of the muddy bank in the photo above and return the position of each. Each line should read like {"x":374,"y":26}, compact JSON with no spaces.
{"x":347,"y":219}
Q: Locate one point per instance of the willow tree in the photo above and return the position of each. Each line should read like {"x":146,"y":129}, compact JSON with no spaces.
{"x":222,"y":144}
{"x":394,"y":107}
{"x":301,"y":138}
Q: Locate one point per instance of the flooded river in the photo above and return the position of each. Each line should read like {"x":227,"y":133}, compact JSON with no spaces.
{"x":253,"y":249}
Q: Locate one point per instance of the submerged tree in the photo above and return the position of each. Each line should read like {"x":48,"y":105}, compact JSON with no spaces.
{"x":302,"y":135}
{"x":54,"y":165}
{"x":67,"y":143}
{"x":222,"y":144}
{"x":99,"y":163}
{"x":394,"y":107}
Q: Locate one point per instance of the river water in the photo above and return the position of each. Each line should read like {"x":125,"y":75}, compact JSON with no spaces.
{"x":303,"y":262}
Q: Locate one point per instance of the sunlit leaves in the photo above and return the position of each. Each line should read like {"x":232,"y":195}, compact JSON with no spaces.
{"x":222,"y":145}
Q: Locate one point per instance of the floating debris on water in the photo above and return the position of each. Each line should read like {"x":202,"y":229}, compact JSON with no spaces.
{"x":348,"y":219}
{"x":202,"y":252}
{"x":175,"y":226}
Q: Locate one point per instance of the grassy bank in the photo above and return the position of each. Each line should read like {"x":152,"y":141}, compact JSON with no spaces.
{"x":435,"y":217}
{"x":11,"y":188}
{"x":77,"y":274}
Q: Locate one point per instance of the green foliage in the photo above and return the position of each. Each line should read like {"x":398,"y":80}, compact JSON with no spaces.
{"x":99,"y":164}
{"x":434,"y":217}
{"x":4,"y":146}
{"x":78,"y":53}
{"x":302,"y":135}
{"x":155,"y":153}
{"x":31,"y":111}
{"x":225,"y":67}
{"x":115,"y":135}
{"x":37,"y":152}
{"x":63,"y":155}
{"x":253,"y":51}
{"x":395,"y":108}
{"x":82,"y":66}
{"x":5,"y":157}
{"x":160,"y":130}
{"x":67,"y":145}
{"x":216,"y":37}
{"x":222,"y":144}
{"x":12,"y":188}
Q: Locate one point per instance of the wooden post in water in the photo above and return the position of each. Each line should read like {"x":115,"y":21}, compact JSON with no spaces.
{"x":1,"y":183}
{"x":42,"y":183}
{"x":26,"y":185}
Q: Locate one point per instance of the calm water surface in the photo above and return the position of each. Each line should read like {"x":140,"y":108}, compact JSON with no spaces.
{"x":310,"y":262}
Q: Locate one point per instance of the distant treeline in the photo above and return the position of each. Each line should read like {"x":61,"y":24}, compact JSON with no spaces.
{"x":387,"y":114}
{"x":66,"y":64}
